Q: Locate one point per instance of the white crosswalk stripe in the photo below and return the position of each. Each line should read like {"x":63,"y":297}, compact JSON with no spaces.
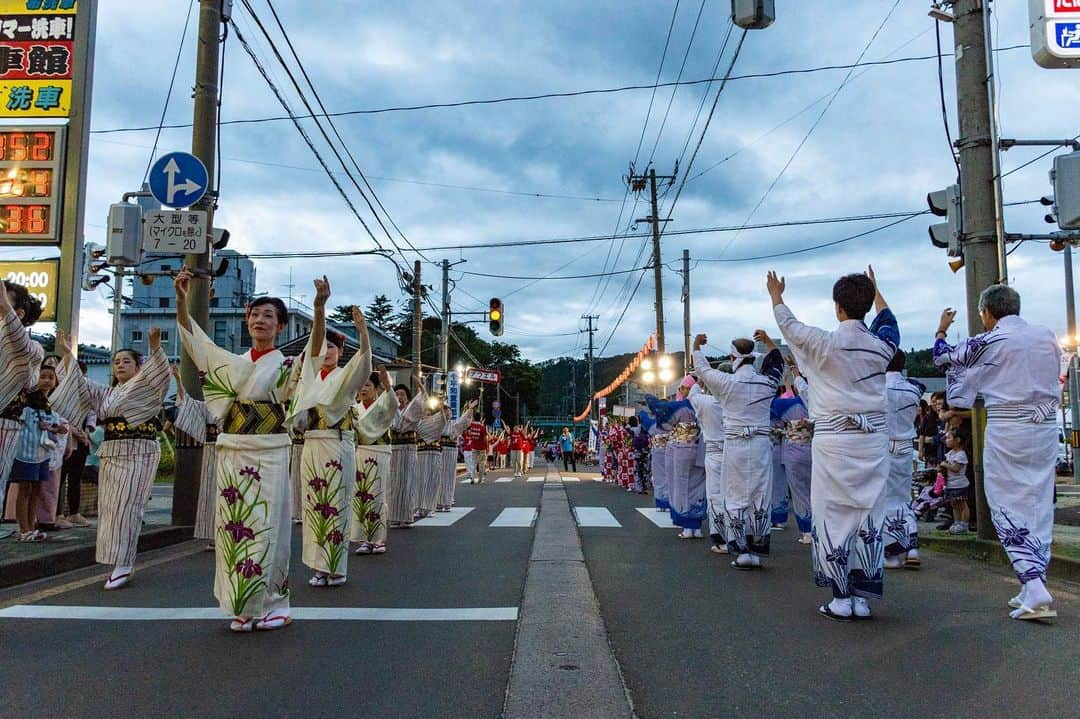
{"x":595,"y":517}
{"x":660,"y":519}
{"x":443,"y":519}
{"x":503,"y":480}
{"x":515,"y":517}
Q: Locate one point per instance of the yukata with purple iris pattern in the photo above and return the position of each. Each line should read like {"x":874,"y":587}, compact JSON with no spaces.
{"x":1015,"y":368}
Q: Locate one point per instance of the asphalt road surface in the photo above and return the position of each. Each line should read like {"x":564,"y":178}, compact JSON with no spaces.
{"x":693,"y":637}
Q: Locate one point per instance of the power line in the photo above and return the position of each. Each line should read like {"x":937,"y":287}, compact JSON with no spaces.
{"x":560,"y":277}
{"x":168,"y":93}
{"x":815,"y":123}
{"x":550,"y":95}
{"x":623,"y":313}
{"x":675,"y":89}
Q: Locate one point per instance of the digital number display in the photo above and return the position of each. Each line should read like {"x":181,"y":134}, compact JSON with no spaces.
{"x":37,"y":276}
{"x":22,"y":146}
{"x":25,"y":220}
{"x":31,"y":183}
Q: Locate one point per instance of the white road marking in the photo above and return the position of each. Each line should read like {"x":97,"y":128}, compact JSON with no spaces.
{"x":535,"y":479}
{"x":515,"y":517}
{"x":571,"y":479}
{"x":598,"y":479}
{"x":660,"y":519}
{"x":595,"y":517}
{"x":368,"y":614}
{"x":443,"y":519}
{"x":503,"y":480}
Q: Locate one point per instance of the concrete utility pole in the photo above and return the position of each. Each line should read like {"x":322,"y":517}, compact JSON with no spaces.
{"x":203,"y":146}
{"x":591,"y":330}
{"x":444,"y":336}
{"x":686,"y":310}
{"x":981,"y":232}
{"x":637,"y":183}
{"x":1074,"y":377}
{"x":418,"y":328}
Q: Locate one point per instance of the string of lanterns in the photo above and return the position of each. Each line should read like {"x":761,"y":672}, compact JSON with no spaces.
{"x":639,"y":360}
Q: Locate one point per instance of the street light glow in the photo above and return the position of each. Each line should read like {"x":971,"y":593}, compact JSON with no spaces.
{"x":646,"y":364}
{"x":664,"y":361}
{"x":649,"y":377}
{"x":666,"y":375}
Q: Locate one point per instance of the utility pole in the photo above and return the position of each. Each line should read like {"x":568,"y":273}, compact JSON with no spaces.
{"x":203,"y":146}
{"x":637,"y":184}
{"x":418,"y":292}
{"x":686,"y":310}
{"x":1074,"y":378}
{"x":981,"y":236}
{"x":444,"y":336}
{"x":591,"y":330}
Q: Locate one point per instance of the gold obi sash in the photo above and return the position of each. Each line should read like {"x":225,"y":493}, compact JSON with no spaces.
{"x":255,"y":418}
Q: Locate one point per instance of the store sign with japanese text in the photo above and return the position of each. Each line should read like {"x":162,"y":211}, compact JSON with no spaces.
{"x":37,"y":39}
{"x":489,"y":376}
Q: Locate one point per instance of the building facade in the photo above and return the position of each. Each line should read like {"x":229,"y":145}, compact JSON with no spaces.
{"x":155,"y":305}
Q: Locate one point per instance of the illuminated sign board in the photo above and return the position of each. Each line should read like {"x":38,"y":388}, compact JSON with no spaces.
{"x":37,"y":276}
{"x":30,"y":183}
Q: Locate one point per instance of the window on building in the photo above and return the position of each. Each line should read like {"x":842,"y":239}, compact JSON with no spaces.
{"x":214,"y":302}
{"x":162,"y":301}
{"x":165,"y":268}
{"x":136,"y":335}
{"x":221,"y":332}
{"x":164,"y":335}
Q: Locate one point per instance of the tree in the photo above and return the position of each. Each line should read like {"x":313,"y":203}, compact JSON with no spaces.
{"x":380,"y":313}
{"x":341,"y":314}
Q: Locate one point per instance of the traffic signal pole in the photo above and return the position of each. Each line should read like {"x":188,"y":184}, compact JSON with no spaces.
{"x":188,"y":466}
{"x":982,"y":235}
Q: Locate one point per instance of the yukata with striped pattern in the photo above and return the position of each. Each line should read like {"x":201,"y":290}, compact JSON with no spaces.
{"x":429,"y":462}
{"x":194,"y":419}
{"x":21,"y":357}
{"x":1015,"y":368}
{"x":449,"y":444}
{"x":248,"y":395}
{"x":129,"y":455}
{"x":901,"y":528}
{"x":746,"y":395}
{"x":322,"y":407}
{"x":404,"y":487}
{"x":845,"y":368}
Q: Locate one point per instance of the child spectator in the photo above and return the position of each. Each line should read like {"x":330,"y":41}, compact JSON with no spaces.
{"x":956,"y":481}
{"x":39,"y":435}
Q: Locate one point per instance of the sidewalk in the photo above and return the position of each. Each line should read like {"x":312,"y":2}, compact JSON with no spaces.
{"x":69,"y":549}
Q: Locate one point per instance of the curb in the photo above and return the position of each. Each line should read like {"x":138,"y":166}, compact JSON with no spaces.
{"x":65,"y":559}
{"x":990,"y":551}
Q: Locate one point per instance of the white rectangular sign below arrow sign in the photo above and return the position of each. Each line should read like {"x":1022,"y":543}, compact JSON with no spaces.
{"x":174,"y":231}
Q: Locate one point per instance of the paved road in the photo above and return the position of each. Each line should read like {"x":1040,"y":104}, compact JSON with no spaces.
{"x":693,"y":638}
{"x":696,"y":638}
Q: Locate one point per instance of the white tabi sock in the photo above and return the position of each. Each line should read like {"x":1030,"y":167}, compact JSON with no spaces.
{"x":1035,"y":594}
{"x":860,"y":606}
{"x":841,"y":606}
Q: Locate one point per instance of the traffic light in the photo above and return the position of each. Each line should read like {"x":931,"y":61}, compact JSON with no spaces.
{"x":93,"y":263}
{"x":947,"y":235}
{"x":495,"y":316}
{"x":1066,"y":179}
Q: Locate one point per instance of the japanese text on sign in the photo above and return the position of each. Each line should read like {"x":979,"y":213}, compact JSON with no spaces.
{"x":174,"y":231}
{"x":490,"y":376}
{"x":37,"y":39}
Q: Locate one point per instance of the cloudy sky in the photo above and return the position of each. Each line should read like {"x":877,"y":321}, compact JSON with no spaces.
{"x":878,"y":148}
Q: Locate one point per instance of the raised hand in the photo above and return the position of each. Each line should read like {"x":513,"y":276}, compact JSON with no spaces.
{"x":700,"y":340}
{"x":763,"y":337}
{"x":153,"y":339}
{"x":5,"y":301}
{"x":182,"y":283}
{"x":175,"y":370}
{"x":384,"y":376}
{"x":776,"y":286}
{"x":64,"y":343}
{"x":322,"y":291}
{"x":948,"y":316}
{"x":359,"y":321}
{"x":870,"y":274}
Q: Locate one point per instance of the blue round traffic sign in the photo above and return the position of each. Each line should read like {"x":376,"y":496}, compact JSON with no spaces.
{"x":178,"y":179}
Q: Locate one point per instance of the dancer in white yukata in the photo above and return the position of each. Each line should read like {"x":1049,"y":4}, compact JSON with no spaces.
{"x":248,"y":395}
{"x":193,"y":418}
{"x":901,"y":529}
{"x":374,"y":413}
{"x":404,"y":480}
{"x":745,"y":395}
{"x":449,"y":443}
{"x":129,"y":456}
{"x":323,"y":408}
{"x":846,"y":371}
{"x":21,"y":357}
{"x":710,"y":414}
{"x":1015,"y":366}
{"x":667,"y":416}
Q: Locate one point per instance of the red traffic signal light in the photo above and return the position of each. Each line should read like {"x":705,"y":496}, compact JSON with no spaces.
{"x":495,"y":316}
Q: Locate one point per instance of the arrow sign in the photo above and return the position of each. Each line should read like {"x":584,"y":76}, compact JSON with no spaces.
{"x":178,"y":179}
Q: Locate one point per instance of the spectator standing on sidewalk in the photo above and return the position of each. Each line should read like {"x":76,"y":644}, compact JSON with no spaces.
{"x":566,"y":446}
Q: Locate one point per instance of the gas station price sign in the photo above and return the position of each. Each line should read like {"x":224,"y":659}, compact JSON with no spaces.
{"x":31,"y":183}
